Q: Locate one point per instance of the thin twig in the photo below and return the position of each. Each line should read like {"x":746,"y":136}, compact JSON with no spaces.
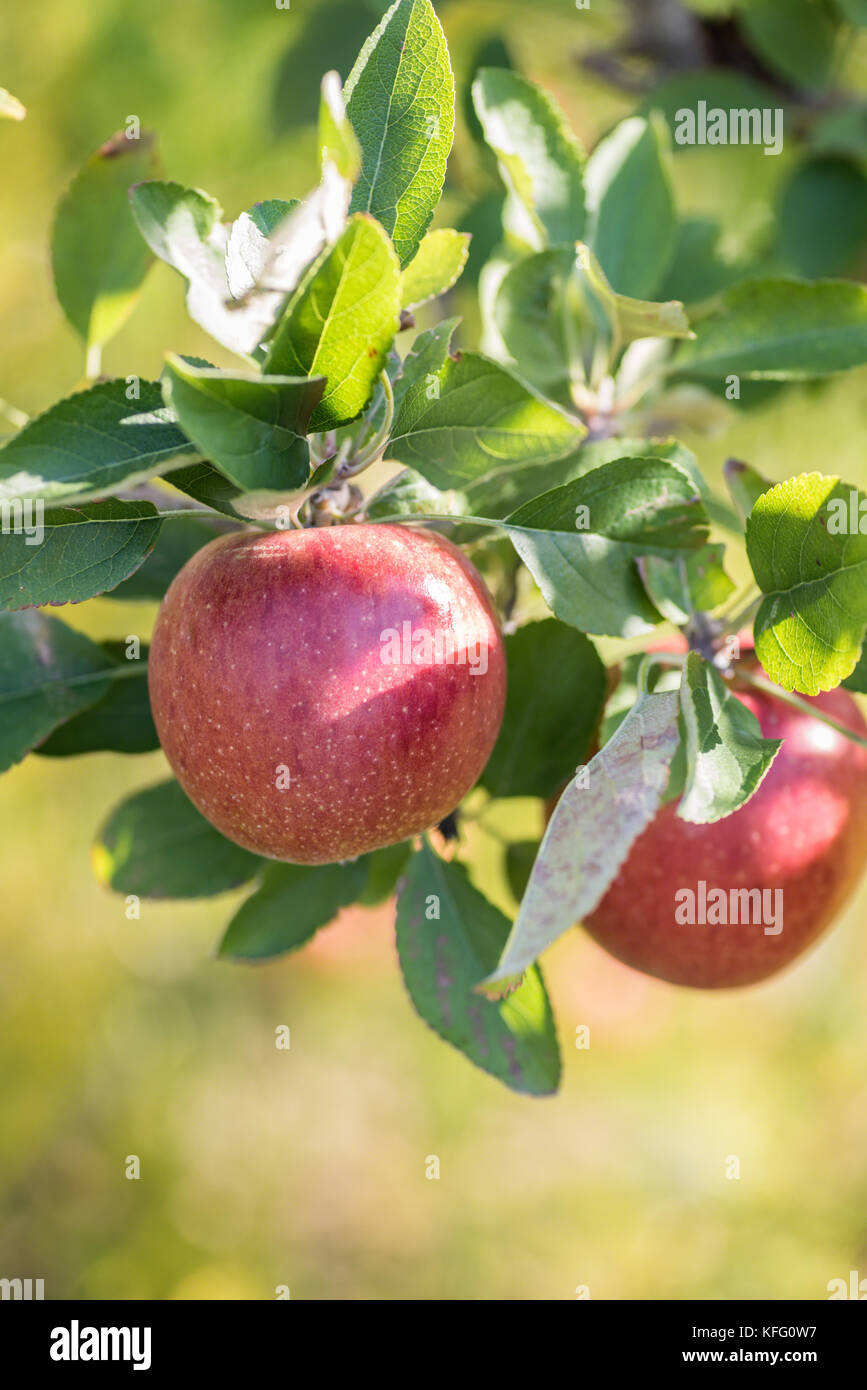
{"x":16,"y":417}
{"x":747,"y":607}
{"x":652,"y":659}
{"x":378,"y":445}
{"x":93,"y":364}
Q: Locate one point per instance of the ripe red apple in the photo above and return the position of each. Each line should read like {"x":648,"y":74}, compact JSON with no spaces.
{"x":802,"y":833}
{"x":321,"y":693}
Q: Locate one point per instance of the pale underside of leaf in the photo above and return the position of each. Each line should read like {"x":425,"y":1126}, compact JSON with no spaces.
{"x":595,"y":823}
{"x":541,"y":161}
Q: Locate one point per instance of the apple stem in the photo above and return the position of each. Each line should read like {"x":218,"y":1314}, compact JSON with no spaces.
{"x":703,"y":635}
{"x":652,"y":659}
{"x":378,"y":444}
{"x":17,"y":418}
{"x":748,"y":606}
{"x":789,"y":698}
{"x":93,"y":361}
{"x":300,"y":514}
{"x":328,"y":449}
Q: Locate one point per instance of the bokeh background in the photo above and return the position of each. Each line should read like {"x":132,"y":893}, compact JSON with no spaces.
{"x":307,"y":1168}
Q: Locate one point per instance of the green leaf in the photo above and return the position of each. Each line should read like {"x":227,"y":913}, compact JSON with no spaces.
{"x":425,"y":360}
{"x":341,"y":322}
{"x":98,"y":257}
{"x":483,"y":222}
{"x":519,"y":860}
{"x":489,"y":51}
{"x":809,"y":558}
{"x":553,"y":702}
{"x":121,"y":722}
{"x":444,"y":956}
{"x":726,"y":757}
{"x":181,"y":536}
{"x":823,"y":215}
{"x":157,"y":845}
{"x":11,"y":108}
{"x":596,"y":453}
{"x":493,"y":494}
{"x":383,"y":868}
{"x":468,"y":420}
{"x":858,"y":679}
{"x":631,"y":217}
{"x":252,"y":427}
{"x":796,"y":38}
{"x":93,"y":444}
{"x":580,"y":541}
{"x":85,"y":551}
{"x":718,"y":87}
{"x":692,"y":583}
{"x":48,"y":673}
{"x":541,"y":162}
{"x":699,"y":270}
{"x":436,"y":266}
{"x":595,"y":823}
{"x":745,"y":484}
{"x":400,"y":99}
{"x":600,"y":451}
{"x":842,"y":131}
{"x":855,"y":11}
{"x":407,"y":494}
{"x":781,"y":330}
{"x":293,"y":902}
{"x":531,"y":312}
{"x":337,"y":142}
{"x":632,"y":318}
{"x":202,"y":482}
{"x":269,"y":214}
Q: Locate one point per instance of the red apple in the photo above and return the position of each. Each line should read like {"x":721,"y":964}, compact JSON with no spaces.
{"x":325,"y":692}
{"x":803,"y":833}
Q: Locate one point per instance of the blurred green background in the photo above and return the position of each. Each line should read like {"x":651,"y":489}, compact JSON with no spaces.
{"x":307,"y":1167}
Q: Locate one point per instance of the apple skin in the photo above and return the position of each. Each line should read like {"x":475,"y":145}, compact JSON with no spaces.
{"x":803,"y":832}
{"x":268,"y":654}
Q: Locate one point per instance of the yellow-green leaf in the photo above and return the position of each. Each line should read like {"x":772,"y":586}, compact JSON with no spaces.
{"x":341,"y":322}
{"x":99,"y":258}
{"x":807,"y":544}
{"x":437,"y":265}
